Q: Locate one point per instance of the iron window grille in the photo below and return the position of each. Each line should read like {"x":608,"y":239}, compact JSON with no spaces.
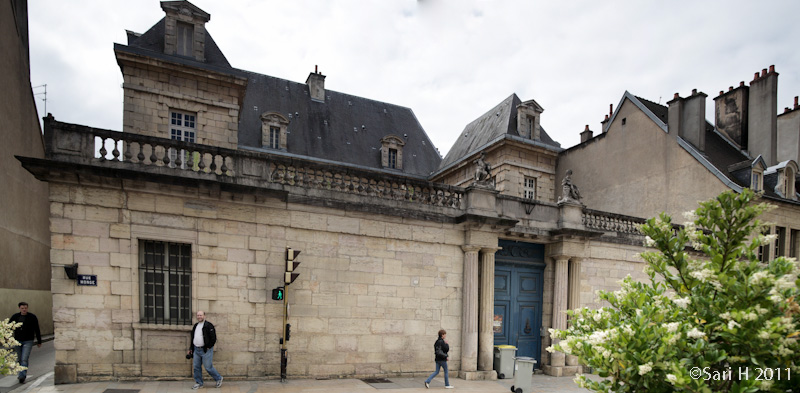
{"x":165,"y":282}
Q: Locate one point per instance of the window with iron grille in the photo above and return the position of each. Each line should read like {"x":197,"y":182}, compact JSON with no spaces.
{"x":165,"y":282}
{"x":529,"y":188}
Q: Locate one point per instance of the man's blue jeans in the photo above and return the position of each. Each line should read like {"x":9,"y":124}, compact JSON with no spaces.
{"x":204,"y":357}
{"x":23,"y":353}
{"x":440,"y":364}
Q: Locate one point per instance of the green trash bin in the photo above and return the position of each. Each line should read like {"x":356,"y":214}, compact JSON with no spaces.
{"x":523,"y":371}
{"x":504,"y":360}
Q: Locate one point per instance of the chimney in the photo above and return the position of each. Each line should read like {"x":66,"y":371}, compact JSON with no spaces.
{"x":789,"y":134}
{"x":586,"y":134}
{"x":693,"y":120}
{"x":674,"y":115}
{"x":762,"y":122}
{"x":316,"y":85}
{"x":730,"y":114}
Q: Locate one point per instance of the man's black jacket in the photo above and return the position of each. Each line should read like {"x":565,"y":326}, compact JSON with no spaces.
{"x":209,"y":336}
{"x":29,"y":328}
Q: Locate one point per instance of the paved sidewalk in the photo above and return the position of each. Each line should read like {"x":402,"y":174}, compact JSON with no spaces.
{"x":541,"y":383}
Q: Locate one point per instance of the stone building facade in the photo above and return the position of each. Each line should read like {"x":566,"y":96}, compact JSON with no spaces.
{"x":24,"y":223}
{"x":218,"y":171}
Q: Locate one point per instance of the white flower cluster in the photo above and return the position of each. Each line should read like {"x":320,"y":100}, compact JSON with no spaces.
{"x":672,"y":327}
{"x":760,"y":278}
{"x":682,"y":302}
{"x":649,"y":242}
{"x":671,"y":378}
{"x":733,"y":325}
{"x":703,"y":275}
{"x":645,"y":368}
{"x":694,"y":333}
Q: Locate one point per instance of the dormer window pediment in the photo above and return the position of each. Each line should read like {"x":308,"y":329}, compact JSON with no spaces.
{"x":274,"y":128}
{"x":392,"y":152}
{"x":184,"y":31}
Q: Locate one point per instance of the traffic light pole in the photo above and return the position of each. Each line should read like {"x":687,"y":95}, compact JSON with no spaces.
{"x":284,"y":355}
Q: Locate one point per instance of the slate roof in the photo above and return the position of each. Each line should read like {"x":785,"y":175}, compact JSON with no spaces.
{"x":497,"y":122}
{"x":344,"y":129}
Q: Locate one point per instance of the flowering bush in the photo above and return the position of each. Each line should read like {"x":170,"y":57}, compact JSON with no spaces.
{"x":8,"y":357}
{"x":723,"y":323}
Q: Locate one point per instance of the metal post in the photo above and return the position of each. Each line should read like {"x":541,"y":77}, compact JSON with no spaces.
{"x":284,"y":355}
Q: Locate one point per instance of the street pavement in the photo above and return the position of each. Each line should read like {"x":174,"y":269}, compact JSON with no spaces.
{"x":42,"y":361}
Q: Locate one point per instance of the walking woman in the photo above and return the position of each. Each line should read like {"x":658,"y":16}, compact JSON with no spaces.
{"x":440,"y":349}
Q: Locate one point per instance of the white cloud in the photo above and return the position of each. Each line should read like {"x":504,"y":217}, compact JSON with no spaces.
{"x":449,"y":61}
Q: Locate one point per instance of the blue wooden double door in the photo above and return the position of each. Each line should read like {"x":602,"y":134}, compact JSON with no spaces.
{"x":518,"y":283}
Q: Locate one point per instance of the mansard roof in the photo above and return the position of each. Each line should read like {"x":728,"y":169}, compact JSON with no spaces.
{"x":496,"y":123}
{"x":343,"y":128}
{"x":152,"y":41}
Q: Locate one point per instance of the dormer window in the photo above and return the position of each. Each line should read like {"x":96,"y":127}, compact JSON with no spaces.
{"x":274,"y":128}
{"x":757,"y":182}
{"x":185,"y":39}
{"x":788,"y":182}
{"x":528,"y":118}
{"x":392,"y":152}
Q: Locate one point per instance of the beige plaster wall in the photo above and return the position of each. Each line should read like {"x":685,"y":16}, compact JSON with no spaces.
{"x":637,"y":169}
{"x":372,"y":292}
{"x":24,"y":235}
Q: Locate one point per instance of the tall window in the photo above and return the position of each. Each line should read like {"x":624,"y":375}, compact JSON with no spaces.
{"x":181,"y":128}
{"x":780,"y":243}
{"x":165,"y":282}
{"x":763,"y":250}
{"x":274,"y":138}
{"x":392,"y":158}
{"x":794,"y":243}
{"x":185,"y":39}
{"x":529,"y":188}
{"x":756,"y":186}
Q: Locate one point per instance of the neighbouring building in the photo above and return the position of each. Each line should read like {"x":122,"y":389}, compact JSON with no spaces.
{"x":655,"y":158}
{"x":218,"y":170}
{"x":24,"y":217}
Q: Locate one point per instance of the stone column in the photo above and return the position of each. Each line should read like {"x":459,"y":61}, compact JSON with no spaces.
{"x":574,"y":300}
{"x":560,"y":296}
{"x":486,"y":313}
{"x":469,"y":315}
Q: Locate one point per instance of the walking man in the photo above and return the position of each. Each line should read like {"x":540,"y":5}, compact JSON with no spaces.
{"x":25,"y":334}
{"x":202,"y":347}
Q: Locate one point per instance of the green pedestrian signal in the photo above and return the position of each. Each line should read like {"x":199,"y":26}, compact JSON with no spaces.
{"x":277,"y":293}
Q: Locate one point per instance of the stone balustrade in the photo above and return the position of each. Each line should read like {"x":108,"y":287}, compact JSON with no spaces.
{"x":610,"y":222}
{"x":98,"y":147}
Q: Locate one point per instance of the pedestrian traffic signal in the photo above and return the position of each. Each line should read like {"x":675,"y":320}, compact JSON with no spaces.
{"x":277,"y":293}
{"x":291,"y":265}
{"x":288,"y":331}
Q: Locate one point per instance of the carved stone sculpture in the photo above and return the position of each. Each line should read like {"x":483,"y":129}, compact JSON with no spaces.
{"x":483,"y":171}
{"x":569,"y":192}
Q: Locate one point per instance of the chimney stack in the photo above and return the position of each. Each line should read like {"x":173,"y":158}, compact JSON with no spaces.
{"x":762,"y":123}
{"x":789,"y":134}
{"x":693,"y":120}
{"x":587,"y":134}
{"x":730,"y":114}
{"x":316,"y":85}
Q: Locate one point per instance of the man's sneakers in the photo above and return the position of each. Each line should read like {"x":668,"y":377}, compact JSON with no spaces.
{"x":427,"y":385}
{"x":448,"y":387}
{"x":21,"y":379}
{"x":197,"y":386}
{"x":219,"y":383}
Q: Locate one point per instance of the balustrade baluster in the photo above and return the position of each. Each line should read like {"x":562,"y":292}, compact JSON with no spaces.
{"x":103,"y":150}
{"x":153,"y":157}
{"x":201,"y":164}
{"x":116,"y":153}
{"x":213,"y":166}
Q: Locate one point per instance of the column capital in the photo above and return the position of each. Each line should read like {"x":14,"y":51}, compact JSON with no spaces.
{"x":471,"y":248}
{"x":560,"y":257}
{"x":491,"y":250}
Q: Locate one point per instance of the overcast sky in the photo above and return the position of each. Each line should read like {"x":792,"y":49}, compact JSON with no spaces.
{"x":449,"y":61}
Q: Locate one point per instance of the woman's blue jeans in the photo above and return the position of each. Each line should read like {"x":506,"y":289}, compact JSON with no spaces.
{"x":440,"y":364}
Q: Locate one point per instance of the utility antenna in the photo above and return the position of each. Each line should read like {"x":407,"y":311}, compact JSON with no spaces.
{"x":44,"y":94}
